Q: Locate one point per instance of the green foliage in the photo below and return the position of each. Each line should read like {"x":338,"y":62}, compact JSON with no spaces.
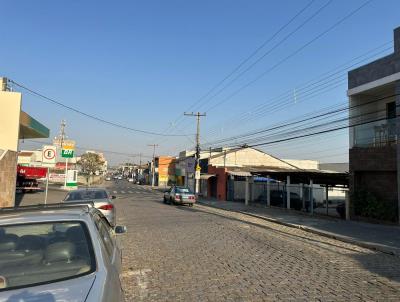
{"x":368,"y":205}
{"x":90,"y":163}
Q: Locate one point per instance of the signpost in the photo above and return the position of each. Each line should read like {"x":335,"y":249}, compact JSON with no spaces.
{"x":48,"y":160}
{"x":67,"y":151}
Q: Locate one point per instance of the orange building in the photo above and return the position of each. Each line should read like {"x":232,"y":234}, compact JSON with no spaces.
{"x":165,"y":170}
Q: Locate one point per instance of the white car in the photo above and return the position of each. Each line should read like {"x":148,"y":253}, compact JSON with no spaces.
{"x":108,"y":178}
{"x":130,"y":179}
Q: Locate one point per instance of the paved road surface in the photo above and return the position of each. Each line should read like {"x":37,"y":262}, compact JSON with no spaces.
{"x":177,"y":253}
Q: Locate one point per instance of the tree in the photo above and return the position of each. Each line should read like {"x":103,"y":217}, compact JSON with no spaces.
{"x":90,"y":163}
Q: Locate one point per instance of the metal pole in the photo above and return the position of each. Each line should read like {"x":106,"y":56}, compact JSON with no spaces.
{"x":347,"y":204}
{"x":47,"y":185}
{"x":268,"y":191}
{"x":327,"y":199}
{"x":153,"y":166}
{"x":66,"y":171}
{"x":197,"y":158}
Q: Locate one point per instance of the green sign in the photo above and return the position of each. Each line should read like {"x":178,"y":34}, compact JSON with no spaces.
{"x":67,"y":153}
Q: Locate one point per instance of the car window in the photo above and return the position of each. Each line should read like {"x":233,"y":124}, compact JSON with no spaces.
{"x":41,"y":253}
{"x":87,"y":195}
{"x":104,"y":231}
{"x":183,"y":190}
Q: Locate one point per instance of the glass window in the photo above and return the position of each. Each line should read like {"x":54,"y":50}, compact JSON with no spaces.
{"x":104,"y":230}
{"x":391,"y":110}
{"x":183,"y":190}
{"x":86,"y":195}
{"x":40,"y":253}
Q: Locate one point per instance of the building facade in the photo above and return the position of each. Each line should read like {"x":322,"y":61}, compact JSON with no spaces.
{"x":374,"y":155}
{"x":14,"y":125}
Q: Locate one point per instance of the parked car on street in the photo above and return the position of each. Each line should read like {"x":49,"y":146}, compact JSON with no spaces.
{"x":179,"y":195}
{"x":341,"y":210}
{"x":58,"y":253}
{"x":130,"y":179}
{"x":101,"y":200}
{"x":108,"y":178}
{"x":278,"y":199}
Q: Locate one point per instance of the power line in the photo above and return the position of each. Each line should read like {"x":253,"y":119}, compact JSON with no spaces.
{"x":247,"y":140}
{"x":90,"y":148}
{"x":320,"y":35}
{"x":259,"y":110}
{"x":248,"y":58}
{"x":301,"y":96}
{"x":286,"y":124}
{"x":56,"y":102}
{"x":271,"y":49}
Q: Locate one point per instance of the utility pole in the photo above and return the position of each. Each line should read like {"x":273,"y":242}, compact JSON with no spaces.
{"x":61,"y":141}
{"x":197,"y":158}
{"x":153,"y":170}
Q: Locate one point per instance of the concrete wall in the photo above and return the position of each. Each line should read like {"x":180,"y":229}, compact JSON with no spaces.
{"x":378,"y":69}
{"x":8,"y":175}
{"x":10,"y":110}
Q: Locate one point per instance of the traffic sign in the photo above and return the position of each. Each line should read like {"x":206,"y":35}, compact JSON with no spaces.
{"x":198,"y":168}
{"x":68,"y":148}
{"x":49,"y":154}
{"x":67,"y":153}
{"x":197,"y":174}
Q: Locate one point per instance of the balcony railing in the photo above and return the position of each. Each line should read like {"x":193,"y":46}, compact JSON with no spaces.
{"x":377,"y":134}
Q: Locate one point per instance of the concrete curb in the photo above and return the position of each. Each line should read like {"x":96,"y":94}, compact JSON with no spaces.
{"x":371,"y":246}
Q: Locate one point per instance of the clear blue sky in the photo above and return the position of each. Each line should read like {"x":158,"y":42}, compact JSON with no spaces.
{"x":142,"y":63}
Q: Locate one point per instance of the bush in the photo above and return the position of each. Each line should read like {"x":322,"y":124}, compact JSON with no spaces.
{"x":368,"y":205}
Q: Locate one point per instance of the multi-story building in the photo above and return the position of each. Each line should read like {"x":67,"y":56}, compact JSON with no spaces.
{"x":374,"y":100}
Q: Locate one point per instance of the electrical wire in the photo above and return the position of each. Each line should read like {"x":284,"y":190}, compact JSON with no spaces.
{"x":58,"y":103}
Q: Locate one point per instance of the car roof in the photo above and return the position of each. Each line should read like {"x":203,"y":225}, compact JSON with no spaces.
{"x":43,"y":213}
{"x":88,"y":189}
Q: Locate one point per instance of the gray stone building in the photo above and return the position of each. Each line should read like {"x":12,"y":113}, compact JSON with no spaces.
{"x":374,"y":154}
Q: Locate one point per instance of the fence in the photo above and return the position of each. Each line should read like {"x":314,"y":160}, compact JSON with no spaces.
{"x":300,"y":196}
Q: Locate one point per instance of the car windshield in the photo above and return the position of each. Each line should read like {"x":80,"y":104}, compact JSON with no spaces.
{"x":183,"y":190}
{"x":86,"y":195}
{"x":43,"y":253}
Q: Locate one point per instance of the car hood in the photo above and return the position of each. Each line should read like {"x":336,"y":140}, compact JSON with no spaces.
{"x":74,"y":290}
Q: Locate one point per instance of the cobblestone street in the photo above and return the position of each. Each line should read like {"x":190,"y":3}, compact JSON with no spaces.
{"x":177,"y":253}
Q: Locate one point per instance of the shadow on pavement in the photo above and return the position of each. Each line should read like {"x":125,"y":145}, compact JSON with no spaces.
{"x":380,"y":264}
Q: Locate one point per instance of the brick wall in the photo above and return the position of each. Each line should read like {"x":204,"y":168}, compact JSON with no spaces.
{"x":374,"y":170}
{"x":8,"y":175}
{"x":373,"y":159}
{"x":221,"y":181}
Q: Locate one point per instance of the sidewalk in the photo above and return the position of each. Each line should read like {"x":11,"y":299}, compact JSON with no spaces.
{"x":383,"y":238}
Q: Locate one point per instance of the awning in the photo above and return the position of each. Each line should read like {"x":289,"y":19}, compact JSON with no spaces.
{"x":206,"y":176}
{"x":31,"y":128}
{"x":239,"y":173}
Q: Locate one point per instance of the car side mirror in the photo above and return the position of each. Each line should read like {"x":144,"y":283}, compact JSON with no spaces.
{"x":120,"y":229}
{"x":113,"y":197}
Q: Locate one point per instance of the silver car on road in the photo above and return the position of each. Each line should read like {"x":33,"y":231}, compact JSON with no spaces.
{"x":58,"y":253}
{"x":179,"y":195}
{"x":100,"y":198}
